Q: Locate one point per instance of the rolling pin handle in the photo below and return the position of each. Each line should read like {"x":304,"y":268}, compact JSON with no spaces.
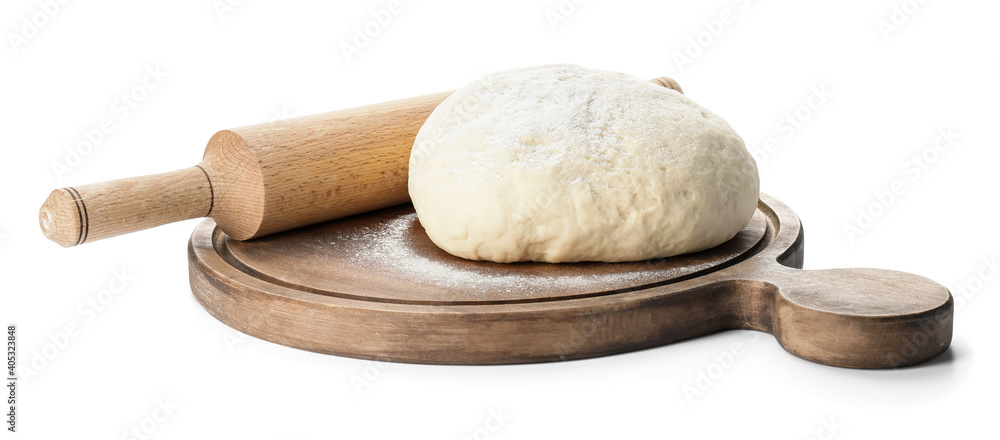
{"x":75,"y":215}
{"x":293,"y":196}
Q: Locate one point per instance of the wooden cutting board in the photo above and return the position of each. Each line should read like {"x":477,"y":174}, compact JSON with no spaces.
{"x":373,"y":286}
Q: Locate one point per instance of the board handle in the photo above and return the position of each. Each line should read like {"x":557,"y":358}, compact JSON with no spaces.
{"x":862,"y":318}
{"x":75,"y":215}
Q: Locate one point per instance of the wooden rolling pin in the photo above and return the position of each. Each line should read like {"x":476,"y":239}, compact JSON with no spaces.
{"x":261,"y":179}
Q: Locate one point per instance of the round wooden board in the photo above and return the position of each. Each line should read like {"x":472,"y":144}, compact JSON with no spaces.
{"x":373,"y":286}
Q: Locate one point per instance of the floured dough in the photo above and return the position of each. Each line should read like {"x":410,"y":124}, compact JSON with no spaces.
{"x":560,"y":163}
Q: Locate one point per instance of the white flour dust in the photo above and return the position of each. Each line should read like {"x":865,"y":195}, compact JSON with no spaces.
{"x":387,"y":248}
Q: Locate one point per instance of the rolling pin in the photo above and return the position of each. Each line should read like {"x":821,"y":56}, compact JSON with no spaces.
{"x":261,"y":179}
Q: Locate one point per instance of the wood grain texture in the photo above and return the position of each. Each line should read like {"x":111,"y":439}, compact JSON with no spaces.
{"x":75,"y":215}
{"x":337,"y":164}
{"x":374,"y":309}
{"x":264,"y":178}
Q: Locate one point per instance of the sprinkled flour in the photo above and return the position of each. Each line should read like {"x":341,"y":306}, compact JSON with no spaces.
{"x":389,"y":248}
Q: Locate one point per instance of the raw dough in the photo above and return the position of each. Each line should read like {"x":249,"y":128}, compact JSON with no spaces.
{"x":560,"y":163}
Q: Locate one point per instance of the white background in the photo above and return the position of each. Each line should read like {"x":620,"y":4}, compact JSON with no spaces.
{"x":893,"y":89}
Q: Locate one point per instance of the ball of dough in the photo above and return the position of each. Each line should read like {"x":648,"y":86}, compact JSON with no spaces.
{"x":560,"y":163}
